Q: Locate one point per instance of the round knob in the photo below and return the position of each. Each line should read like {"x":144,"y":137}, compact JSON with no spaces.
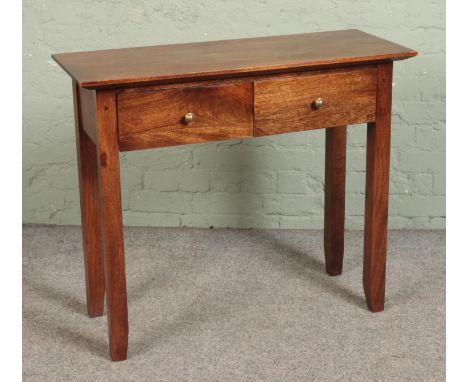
{"x":318,"y":103}
{"x":189,"y":117}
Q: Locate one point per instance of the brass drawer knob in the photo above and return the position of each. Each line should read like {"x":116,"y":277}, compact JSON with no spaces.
{"x":189,"y":118}
{"x":318,"y":103}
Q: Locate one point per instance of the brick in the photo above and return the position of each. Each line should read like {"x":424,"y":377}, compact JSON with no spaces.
{"x":130,"y":176}
{"x":47,"y":154}
{"x":423,"y":113}
{"x":43,"y":198}
{"x":64,"y":217}
{"x":354,"y":205}
{"x":267,"y":182}
{"x":425,"y":40}
{"x":439,"y":139}
{"x":295,"y":222}
{"x":423,"y":206}
{"x":420,"y":222}
{"x":422,"y":184}
{"x":259,"y":182}
{"x":72,"y":197}
{"x":194,"y":180}
{"x":260,"y":159}
{"x":421,"y":161}
{"x":439,"y":185}
{"x":403,"y":135}
{"x":400,"y":183}
{"x":356,"y":160}
{"x":226,"y":203}
{"x":292,"y":182}
{"x":162,"y":158}
{"x":171,"y":202}
{"x":226,"y":181}
{"x":354,"y":222}
{"x":357,"y":135}
{"x":424,"y":137}
{"x":59,"y":177}
{"x":28,"y":175}
{"x":315,"y":183}
{"x":126,"y":195}
{"x":146,"y":219}
{"x":437,"y":223}
{"x":292,"y":204}
{"x":399,"y":222}
{"x":228,"y":159}
{"x":427,"y":65}
{"x":294,"y":139}
{"x":232,"y":221}
{"x":161,"y":180}
{"x":355,"y":182}
{"x":415,"y":90}
{"x":317,"y":139}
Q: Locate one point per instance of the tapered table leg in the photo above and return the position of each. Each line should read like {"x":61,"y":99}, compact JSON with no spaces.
{"x":377,"y":185}
{"x":335,"y":177}
{"x":112,"y":228}
{"x":90,"y":213}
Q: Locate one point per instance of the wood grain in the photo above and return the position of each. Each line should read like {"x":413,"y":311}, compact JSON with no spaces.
{"x":129,"y":99}
{"x":90,"y":210}
{"x":248,"y":78}
{"x":377,"y":184}
{"x":111,"y":223}
{"x":88,"y":112}
{"x":156,"y":118}
{"x":335,"y":180}
{"x":287,"y":104}
{"x":228,"y":58}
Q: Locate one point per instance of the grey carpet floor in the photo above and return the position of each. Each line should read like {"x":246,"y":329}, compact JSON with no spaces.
{"x":236,"y":305}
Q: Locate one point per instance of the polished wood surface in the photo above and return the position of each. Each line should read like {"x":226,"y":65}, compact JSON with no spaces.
{"x":90,"y":208}
{"x":111,"y":223}
{"x":156,"y":118}
{"x":228,"y":58}
{"x":377,"y":184}
{"x":287,"y":104}
{"x":335,"y":181}
{"x":129,"y":99}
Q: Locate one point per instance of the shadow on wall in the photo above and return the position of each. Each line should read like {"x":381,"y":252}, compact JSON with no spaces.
{"x":258,"y":182}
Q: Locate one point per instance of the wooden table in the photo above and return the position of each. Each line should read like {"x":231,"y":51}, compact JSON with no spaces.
{"x":148,"y":97}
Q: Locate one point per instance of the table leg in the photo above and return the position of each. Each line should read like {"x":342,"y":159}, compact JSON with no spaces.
{"x":90,"y":213}
{"x":377,"y":185}
{"x":335,"y":177}
{"x":112,"y":227}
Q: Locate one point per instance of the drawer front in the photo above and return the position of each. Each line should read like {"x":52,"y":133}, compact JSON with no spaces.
{"x":156,"y":118}
{"x":290,"y":104}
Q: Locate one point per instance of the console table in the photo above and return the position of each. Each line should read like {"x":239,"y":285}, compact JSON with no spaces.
{"x":167,"y":95}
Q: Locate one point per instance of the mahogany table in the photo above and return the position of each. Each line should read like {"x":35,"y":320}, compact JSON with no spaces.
{"x":148,"y":97}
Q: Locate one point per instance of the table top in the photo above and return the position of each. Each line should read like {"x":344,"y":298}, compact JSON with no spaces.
{"x":227,"y":58}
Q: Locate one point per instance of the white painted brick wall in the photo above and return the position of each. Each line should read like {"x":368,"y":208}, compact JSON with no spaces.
{"x":263,"y":182}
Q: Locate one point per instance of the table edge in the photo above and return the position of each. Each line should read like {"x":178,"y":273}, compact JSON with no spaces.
{"x":220,"y":74}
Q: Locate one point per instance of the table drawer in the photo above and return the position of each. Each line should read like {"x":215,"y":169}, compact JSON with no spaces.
{"x":289,"y":104}
{"x":155,"y":118}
